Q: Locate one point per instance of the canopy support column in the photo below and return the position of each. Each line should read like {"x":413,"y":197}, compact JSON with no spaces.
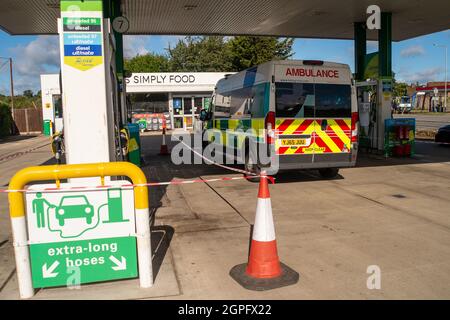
{"x":385,"y":45}
{"x":385,"y":75}
{"x":360,"y":49}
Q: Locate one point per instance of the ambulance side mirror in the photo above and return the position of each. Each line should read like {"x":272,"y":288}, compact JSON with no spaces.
{"x":203,"y":115}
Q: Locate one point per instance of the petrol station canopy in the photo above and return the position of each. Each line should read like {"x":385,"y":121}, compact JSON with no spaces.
{"x":329,"y":19}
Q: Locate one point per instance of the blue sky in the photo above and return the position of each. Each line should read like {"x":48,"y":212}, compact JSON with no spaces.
{"x":413,"y":60}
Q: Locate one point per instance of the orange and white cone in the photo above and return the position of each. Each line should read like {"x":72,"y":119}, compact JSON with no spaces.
{"x":263,"y":260}
{"x":164,"y":150}
{"x":264,"y":270}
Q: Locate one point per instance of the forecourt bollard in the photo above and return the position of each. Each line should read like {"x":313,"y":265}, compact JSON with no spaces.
{"x":58,"y":172}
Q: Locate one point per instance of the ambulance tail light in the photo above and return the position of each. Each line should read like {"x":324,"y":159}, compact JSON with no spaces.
{"x":269,"y":124}
{"x":355,"y":119}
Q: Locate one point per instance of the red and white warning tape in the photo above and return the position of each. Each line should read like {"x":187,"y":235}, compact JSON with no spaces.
{"x":125,"y":186}
{"x":217,"y":164}
{"x":248,"y":175}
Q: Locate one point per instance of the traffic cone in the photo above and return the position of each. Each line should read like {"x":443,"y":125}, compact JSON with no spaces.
{"x":164,"y":151}
{"x":264,"y":271}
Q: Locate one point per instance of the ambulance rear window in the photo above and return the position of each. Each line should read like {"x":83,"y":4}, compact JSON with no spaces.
{"x":294,"y":100}
{"x":333,"y":101}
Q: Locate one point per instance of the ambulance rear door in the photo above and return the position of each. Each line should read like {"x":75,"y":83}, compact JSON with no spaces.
{"x":294,"y":115}
{"x":332,"y":114}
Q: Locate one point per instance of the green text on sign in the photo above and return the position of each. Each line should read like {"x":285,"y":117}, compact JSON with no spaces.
{"x":82,"y":21}
{"x":84,"y":261}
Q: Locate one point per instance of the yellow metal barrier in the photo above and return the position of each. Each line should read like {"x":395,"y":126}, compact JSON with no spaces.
{"x":58,"y":172}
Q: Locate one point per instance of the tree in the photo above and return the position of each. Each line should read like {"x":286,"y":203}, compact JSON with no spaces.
{"x":246,"y":52}
{"x":200,"y":54}
{"x":5,"y":119}
{"x":150,"y":62}
{"x":399,"y":89}
{"x":23,"y":101}
{"x":213,"y":54}
{"x":28,"y":93}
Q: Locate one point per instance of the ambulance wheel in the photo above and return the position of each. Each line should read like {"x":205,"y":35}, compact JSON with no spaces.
{"x":329,"y":173}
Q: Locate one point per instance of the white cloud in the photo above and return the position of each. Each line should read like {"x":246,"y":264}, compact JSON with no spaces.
{"x":140,"y":45}
{"x":42,"y":56}
{"x":29,"y":62}
{"x":412,"y":51}
{"x":372,"y":46}
{"x":135,"y":45}
{"x":426,"y":75}
{"x":171,"y":41}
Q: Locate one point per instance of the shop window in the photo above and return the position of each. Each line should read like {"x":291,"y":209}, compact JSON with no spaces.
{"x":177,"y":106}
{"x":187,"y":105}
{"x":207,"y":103}
{"x":198,"y":105}
{"x":150,"y":102}
{"x":178,"y":122}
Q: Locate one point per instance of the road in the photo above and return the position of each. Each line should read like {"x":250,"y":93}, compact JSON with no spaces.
{"x":15,"y":154}
{"x":427,"y":121}
{"x":391,"y":213}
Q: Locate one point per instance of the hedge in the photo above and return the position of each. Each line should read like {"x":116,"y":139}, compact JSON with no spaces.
{"x":5,"y":120}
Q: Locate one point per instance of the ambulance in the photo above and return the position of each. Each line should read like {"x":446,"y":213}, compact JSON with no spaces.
{"x":305,"y":110}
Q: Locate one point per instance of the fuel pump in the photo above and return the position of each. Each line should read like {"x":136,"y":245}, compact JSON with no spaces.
{"x":115,"y":211}
{"x":374,"y":106}
{"x":367,"y":95}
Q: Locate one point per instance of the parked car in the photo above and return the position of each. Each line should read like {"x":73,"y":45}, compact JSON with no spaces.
{"x":443,"y":134}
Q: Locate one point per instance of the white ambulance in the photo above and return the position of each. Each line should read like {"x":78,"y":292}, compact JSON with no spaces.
{"x":306,"y":109}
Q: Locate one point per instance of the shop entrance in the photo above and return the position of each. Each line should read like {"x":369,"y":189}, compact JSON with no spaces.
{"x":187,"y":109}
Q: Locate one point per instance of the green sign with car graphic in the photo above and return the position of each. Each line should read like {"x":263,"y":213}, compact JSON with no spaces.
{"x":81,"y":237}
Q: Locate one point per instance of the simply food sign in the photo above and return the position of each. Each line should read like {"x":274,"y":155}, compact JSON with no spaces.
{"x":81,"y":236}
